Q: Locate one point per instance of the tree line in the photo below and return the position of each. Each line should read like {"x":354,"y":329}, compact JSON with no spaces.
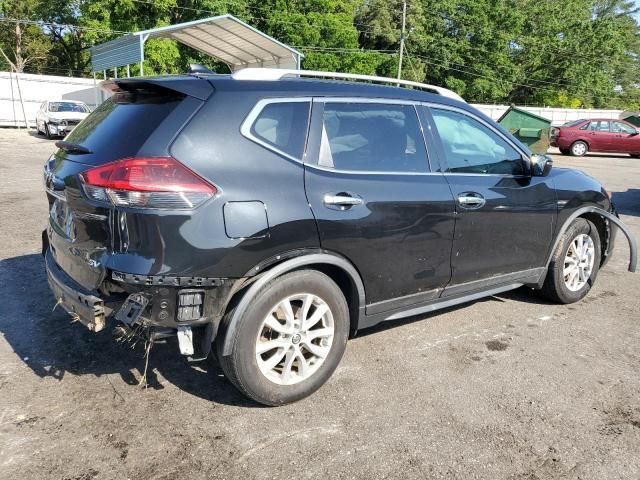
{"x":574,"y":53}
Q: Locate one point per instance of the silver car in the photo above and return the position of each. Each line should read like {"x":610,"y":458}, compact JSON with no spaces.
{"x":57,"y":118}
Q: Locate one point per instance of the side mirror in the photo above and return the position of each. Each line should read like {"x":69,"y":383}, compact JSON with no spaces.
{"x":635,"y":132}
{"x":541,"y":165}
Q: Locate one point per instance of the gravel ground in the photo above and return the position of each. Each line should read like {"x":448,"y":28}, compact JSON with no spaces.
{"x":511,"y":387}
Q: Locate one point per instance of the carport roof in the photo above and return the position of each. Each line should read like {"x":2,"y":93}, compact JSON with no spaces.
{"x":224,"y":37}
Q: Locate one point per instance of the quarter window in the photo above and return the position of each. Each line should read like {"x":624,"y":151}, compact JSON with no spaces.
{"x":283,"y":125}
{"x":372,"y":137}
{"x":471,"y":147}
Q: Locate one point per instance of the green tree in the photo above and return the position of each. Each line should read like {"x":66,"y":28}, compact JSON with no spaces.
{"x":578,"y":53}
{"x":22,"y":44}
{"x":323,"y":29}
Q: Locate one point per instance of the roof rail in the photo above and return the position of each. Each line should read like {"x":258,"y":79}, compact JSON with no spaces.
{"x":272,"y":74}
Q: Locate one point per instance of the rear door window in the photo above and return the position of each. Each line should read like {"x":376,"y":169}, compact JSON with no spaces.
{"x":597,"y":126}
{"x":372,"y":137}
{"x":282,"y":126}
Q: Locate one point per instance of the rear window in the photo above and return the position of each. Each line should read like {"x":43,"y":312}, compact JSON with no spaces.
{"x":573,"y":123}
{"x":123,"y":123}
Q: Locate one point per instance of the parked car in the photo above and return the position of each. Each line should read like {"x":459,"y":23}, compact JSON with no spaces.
{"x":58,"y":118}
{"x":579,"y":137}
{"x":269,"y":218}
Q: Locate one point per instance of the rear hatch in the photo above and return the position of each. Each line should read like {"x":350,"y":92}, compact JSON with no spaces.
{"x":138,"y":122}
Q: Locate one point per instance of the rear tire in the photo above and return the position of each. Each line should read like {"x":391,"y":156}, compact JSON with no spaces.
{"x":303,"y":355}
{"x":574,"y":264}
{"x":579,"y":149}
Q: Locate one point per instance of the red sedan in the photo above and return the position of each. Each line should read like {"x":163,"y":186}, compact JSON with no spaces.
{"x":596,"y":135}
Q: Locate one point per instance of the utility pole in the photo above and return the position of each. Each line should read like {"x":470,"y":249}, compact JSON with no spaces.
{"x":402,"y":35}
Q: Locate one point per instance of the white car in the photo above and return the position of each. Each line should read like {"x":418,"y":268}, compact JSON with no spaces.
{"x":57,"y":118}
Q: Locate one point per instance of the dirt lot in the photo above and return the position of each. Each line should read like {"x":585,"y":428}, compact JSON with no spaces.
{"x":507,"y":388}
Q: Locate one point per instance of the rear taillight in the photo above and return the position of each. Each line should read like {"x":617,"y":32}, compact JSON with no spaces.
{"x":154,"y":182}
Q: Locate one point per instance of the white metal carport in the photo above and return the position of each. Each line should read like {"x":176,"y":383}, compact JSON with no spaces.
{"x":224,"y":38}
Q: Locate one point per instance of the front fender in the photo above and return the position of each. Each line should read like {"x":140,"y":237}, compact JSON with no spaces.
{"x":633,"y":246}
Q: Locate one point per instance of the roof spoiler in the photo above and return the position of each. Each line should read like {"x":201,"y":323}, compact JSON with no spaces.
{"x":190,"y":86}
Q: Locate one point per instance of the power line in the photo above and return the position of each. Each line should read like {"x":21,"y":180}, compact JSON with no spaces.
{"x":342,"y":50}
{"x":447,"y":67}
{"x":548,"y":89}
{"x":59,"y":25}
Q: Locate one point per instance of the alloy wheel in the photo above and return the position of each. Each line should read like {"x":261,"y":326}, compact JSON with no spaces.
{"x":294,"y":339}
{"x":578,"y":262}
{"x":579,"y":149}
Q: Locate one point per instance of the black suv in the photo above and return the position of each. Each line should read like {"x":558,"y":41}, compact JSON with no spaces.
{"x":272,"y":216}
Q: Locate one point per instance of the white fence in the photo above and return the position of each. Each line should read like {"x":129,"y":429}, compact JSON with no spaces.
{"x":38,"y":88}
{"x":558,"y":116}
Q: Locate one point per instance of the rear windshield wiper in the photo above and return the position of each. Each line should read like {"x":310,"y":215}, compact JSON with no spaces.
{"x":72,"y":147}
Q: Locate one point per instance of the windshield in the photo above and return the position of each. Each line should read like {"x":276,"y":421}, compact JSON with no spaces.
{"x":68,"y":107}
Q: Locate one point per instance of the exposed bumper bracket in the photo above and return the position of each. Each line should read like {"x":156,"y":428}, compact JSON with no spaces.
{"x":84,"y":307}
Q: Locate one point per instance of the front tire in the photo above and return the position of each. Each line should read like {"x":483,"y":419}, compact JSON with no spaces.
{"x":47,"y":133}
{"x":579,"y":149}
{"x":290,"y":339}
{"x":575,"y":263}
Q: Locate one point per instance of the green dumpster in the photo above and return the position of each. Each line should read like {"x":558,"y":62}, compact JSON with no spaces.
{"x":631,"y":117}
{"x":530,"y":129}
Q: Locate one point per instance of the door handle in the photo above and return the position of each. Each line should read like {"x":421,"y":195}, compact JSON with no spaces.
{"x":342,"y":200}
{"x":471,"y":200}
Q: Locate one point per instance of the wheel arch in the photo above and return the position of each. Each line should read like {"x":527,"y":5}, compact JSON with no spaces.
{"x":600,"y":215}
{"x":603,"y":232}
{"x":336,"y":267}
{"x":581,"y":139}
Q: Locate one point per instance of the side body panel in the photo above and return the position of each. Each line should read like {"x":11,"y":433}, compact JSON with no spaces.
{"x":244,"y":171}
{"x":399,"y":238}
{"x":625,"y":142}
{"x":510,"y":233}
{"x":512,"y":229}
{"x":600,"y":141}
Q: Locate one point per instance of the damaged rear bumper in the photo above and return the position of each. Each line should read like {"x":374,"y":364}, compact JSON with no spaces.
{"x":82,"y":305}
